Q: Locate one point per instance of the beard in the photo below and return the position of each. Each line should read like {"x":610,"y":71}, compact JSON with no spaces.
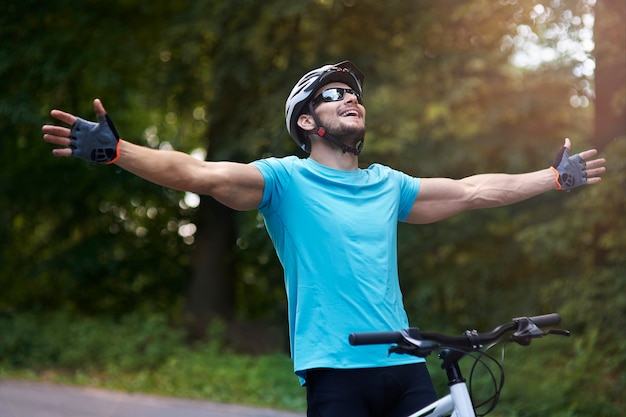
{"x":348,"y":134}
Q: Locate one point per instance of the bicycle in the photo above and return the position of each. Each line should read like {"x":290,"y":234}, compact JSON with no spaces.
{"x":458,"y":403}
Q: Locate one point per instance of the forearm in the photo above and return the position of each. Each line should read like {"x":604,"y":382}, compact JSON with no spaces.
{"x":494,"y":190}
{"x":440,"y":198}
{"x":170,"y":169}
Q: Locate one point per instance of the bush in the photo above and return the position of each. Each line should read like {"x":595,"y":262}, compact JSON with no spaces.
{"x":143,"y":354}
{"x":62,"y":341}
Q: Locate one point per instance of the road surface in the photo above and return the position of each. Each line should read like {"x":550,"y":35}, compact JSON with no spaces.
{"x":36,"y":399}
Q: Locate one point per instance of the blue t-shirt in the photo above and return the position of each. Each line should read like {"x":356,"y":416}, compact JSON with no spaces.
{"x":335,"y":234}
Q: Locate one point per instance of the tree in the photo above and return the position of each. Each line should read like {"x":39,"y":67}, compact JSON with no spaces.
{"x":442,"y":98}
{"x":75,"y":236}
{"x":610,"y":81}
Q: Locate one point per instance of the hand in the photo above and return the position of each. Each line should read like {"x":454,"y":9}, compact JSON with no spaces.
{"x":94,"y":142}
{"x":574,"y":171}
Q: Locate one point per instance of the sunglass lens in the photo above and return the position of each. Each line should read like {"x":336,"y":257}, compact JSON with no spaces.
{"x":336,"y":94}
{"x":333,"y":94}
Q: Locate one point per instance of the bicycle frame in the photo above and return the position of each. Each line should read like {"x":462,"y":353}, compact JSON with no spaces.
{"x":457,"y":403}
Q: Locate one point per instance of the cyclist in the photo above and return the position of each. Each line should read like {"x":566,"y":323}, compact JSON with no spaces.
{"x":333,"y":226}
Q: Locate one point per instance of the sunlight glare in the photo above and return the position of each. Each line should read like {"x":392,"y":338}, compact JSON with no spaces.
{"x":187,"y":231}
{"x":192,"y":200}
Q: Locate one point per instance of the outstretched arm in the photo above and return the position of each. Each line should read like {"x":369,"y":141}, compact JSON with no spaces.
{"x":440,"y":198}
{"x":236,"y":185}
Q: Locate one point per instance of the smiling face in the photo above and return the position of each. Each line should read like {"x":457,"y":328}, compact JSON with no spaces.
{"x":344,"y":118}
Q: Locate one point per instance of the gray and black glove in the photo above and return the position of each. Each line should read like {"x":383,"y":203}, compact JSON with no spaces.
{"x":570,"y":170}
{"x":95,"y":142}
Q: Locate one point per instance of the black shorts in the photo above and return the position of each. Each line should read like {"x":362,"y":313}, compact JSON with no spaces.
{"x":394,"y":391}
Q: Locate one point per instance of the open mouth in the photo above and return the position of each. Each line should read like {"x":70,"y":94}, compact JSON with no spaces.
{"x":349,"y":113}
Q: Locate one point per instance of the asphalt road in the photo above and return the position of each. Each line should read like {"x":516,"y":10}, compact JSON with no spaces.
{"x":35,"y":399}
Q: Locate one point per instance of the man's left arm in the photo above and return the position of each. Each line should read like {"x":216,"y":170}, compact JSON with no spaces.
{"x":440,"y":198}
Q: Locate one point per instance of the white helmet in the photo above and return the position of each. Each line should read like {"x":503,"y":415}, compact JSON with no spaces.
{"x":302,"y":94}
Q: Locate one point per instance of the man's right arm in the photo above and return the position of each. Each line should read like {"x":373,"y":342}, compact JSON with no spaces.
{"x":236,"y":185}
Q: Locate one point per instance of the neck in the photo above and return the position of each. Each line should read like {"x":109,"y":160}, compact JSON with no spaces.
{"x":332,"y":157}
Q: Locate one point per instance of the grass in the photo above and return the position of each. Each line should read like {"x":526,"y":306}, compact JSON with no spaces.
{"x":266,"y":381}
{"x":554,"y":376}
{"x":139,"y":354}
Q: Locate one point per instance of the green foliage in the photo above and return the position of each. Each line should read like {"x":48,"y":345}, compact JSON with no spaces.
{"x":443,"y":100}
{"x":64,"y":341}
{"x":142,"y":353}
{"x":226,"y":377}
{"x":76,"y":236}
{"x":556,"y":376}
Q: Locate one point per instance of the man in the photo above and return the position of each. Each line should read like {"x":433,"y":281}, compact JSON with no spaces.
{"x":334,"y":229}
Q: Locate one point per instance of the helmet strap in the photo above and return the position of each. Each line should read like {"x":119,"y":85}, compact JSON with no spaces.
{"x":321,"y":132}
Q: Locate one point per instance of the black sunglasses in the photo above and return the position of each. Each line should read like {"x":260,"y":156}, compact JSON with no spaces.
{"x":336,"y":94}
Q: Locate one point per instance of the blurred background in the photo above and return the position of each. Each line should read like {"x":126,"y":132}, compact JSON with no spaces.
{"x":104,"y":275}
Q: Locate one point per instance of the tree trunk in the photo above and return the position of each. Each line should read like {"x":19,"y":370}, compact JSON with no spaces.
{"x":610,"y":83}
{"x":211,"y":291}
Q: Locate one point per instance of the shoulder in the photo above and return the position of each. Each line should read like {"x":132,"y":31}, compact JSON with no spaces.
{"x":384,"y":169}
{"x":388,"y":173}
{"x":274,"y":166}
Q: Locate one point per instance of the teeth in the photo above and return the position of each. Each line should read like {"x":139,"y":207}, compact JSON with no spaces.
{"x":350,"y":113}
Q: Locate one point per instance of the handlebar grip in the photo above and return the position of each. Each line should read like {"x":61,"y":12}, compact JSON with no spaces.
{"x":375,"y":338}
{"x":546,"y":320}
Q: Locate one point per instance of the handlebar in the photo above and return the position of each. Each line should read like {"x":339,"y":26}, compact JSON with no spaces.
{"x":452,"y":349}
{"x":523,"y":328}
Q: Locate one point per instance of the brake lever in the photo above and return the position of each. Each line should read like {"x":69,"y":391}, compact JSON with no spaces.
{"x":413,"y":344}
{"x":559,"y":332}
{"x":410,"y":349}
{"x":527,"y":330}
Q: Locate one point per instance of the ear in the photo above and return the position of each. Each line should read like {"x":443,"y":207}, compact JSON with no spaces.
{"x":306,"y":122}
